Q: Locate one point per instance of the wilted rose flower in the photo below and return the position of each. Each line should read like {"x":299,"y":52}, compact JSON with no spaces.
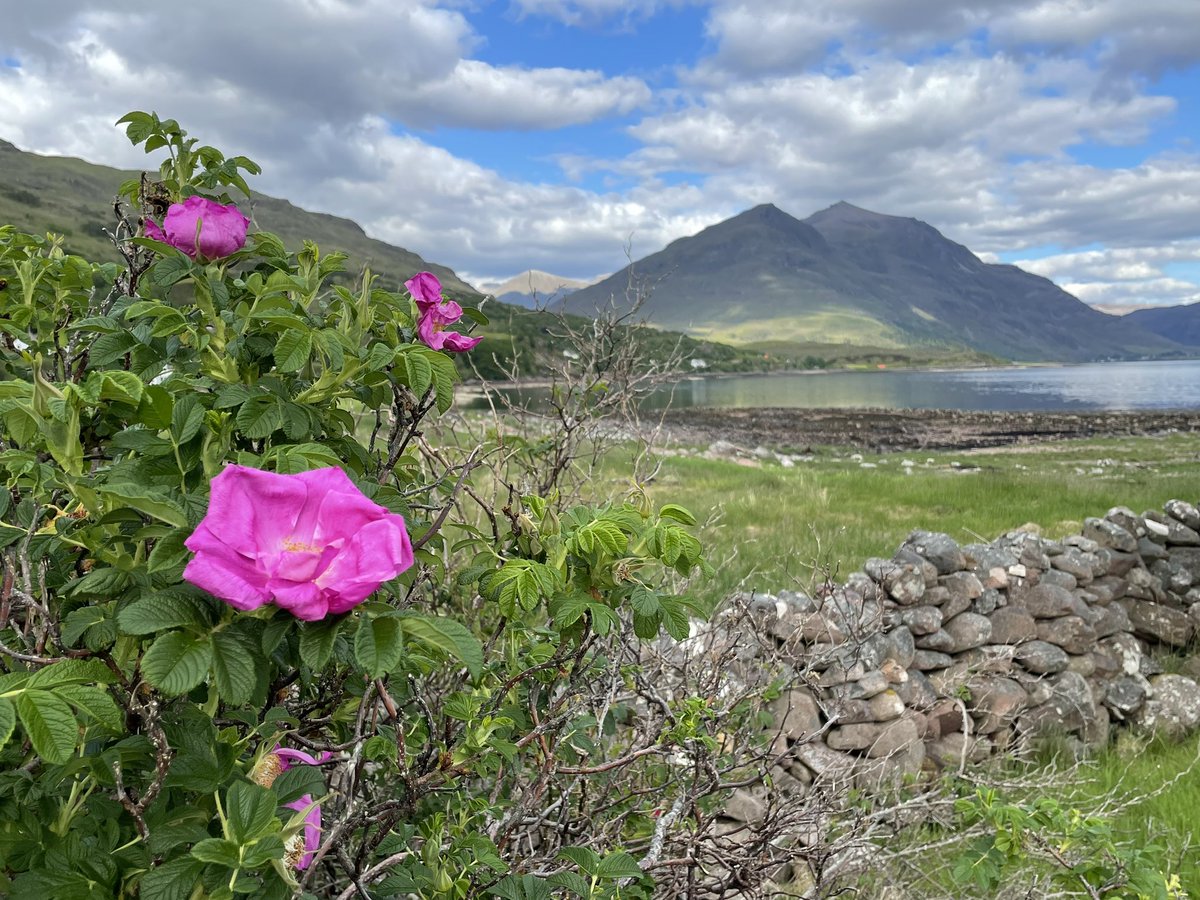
{"x":436,"y":314}
{"x":201,"y":227}
{"x":310,"y":543}
{"x":300,"y":849}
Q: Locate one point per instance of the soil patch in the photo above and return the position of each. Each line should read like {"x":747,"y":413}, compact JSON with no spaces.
{"x":920,"y":429}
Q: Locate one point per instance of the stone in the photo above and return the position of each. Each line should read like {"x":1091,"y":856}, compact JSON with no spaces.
{"x":1127,"y":519}
{"x":946,"y":717}
{"x":905,"y":585}
{"x":917,"y":692}
{"x":995,"y":579}
{"x":828,"y":766}
{"x":1189,"y":559}
{"x":890,"y":771}
{"x":1126,"y":649}
{"x":951,"y":750}
{"x":1048,"y":601}
{"x":1107,"y":533}
{"x":1072,"y":633}
{"x":995,"y":703}
{"x":939,"y":549}
{"x":967,"y":630}
{"x":1080,"y":542}
{"x":1125,"y":695}
{"x":927,"y":569}
{"x":1178,"y":534}
{"x":895,"y":737}
{"x":1141,"y":585}
{"x":853,"y":737}
{"x":1082,"y":664}
{"x":1183,"y":512}
{"x":1161,"y":623}
{"x":1070,"y":707}
{"x":922,"y":620}
{"x":1041,"y":658}
{"x":935,"y":596}
{"x":1114,"y":562}
{"x":886,"y":706}
{"x":1174,"y":577}
{"x":1060,"y":579}
{"x":987,"y":602}
{"x":1149,"y":550}
{"x":798,"y":714}
{"x":893,"y":671}
{"x":746,"y":805}
{"x":900,"y":646}
{"x":985,"y":557}
{"x":874,"y":682}
{"x":851,"y":712}
{"x":929,"y":660}
{"x":949,"y":682}
{"x":1107,"y":588}
{"x":1075,"y":562}
{"x":1012,"y":625}
{"x":939,"y":640}
{"x":1173,"y":708}
{"x":962,"y":585}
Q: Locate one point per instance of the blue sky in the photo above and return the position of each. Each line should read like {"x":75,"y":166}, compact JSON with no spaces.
{"x":1060,"y":135}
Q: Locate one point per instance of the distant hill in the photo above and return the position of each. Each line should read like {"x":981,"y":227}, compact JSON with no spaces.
{"x":850,"y":275}
{"x":1178,"y":323}
{"x":533,"y":288}
{"x":74,"y":198}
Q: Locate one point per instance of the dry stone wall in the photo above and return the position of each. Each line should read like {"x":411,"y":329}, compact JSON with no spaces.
{"x":947,"y":654}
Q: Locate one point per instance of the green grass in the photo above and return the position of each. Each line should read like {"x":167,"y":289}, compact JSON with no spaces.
{"x":775,"y":525}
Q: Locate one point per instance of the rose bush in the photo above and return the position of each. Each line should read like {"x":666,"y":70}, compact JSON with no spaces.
{"x":231,"y":521}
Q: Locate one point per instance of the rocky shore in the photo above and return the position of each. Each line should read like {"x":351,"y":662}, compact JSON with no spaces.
{"x":918,"y":429}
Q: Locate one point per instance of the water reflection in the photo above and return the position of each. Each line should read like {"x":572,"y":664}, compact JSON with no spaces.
{"x":1173,"y":384}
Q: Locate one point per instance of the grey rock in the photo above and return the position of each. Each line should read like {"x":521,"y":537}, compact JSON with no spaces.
{"x":1071,"y":633}
{"x":985,"y":557}
{"x":905,"y":585}
{"x":890,"y":771}
{"x":1173,"y":708}
{"x":1125,"y":695}
{"x":1126,"y":649}
{"x":922,"y":620}
{"x":1080,"y":542}
{"x":939,"y":549}
{"x":952,"y":749}
{"x":1149,"y":550}
{"x":1048,"y":601}
{"x":895,"y":737}
{"x":1174,"y":576}
{"x":996,"y":702}
{"x":886,"y":706}
{"x":1041,"y":658}
{"x":875,"y":682}
{"x":935,"y":596}
{"x":1161,"y":623}
{"x":746,"y":805}
{"x":1071,"y":707}
{"x":1178,"y":534}
{"x":1189,"y":559}
{"x":853,"y":737}
{"x":1107,"y":588}
{"x":1107,"y":533}
{"x":1060,"y":579}
{"x":917,"y":692}
{"x":927,"y":569}
{"x":851,"y":712}
{"x":939,"y":640}
{"x":930,"y":660}
{"x":1127,"y":519}
{"x":1114,"y":562}
{"x":1075,"y":562}
{"x":828,"y":766}
{"x":987,"y":602}
{"x":962,"y":585}
{"x":900,"y":646}
{"x":967,"y":630}
{"x":1141,"y":585}
{"x":1012,"y":625}
{"x":798,"y":714}
{"x":1184,"y":512}
{"x":1082,"y":664}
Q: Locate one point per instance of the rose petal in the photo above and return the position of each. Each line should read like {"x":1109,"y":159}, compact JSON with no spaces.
{"x":376,"y":554}
{"x":225,"y":573}
{"x":424,"y":288}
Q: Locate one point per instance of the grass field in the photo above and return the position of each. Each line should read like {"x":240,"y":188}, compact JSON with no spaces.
{"x":771,"y":527}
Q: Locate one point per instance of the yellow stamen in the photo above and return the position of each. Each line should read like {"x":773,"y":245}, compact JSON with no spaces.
{"x":294,"y":546}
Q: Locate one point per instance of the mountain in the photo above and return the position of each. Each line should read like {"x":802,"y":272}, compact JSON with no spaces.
{"x":846,"y":274}
{"x":533,"y":288}
{"x":74,"y":198}
{"x":1178,"y":323}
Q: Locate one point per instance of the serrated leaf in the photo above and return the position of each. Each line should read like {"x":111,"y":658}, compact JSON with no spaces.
{"x":300,"y":780}
{"x":259,"y":417}
{"x":170,"y":269}
{"x":79,"y":621}
{"x":450,"y":637}
{"x":218,"y":851}
{"x":186,"y":417}
{"x":50,"y":725}
{"x":675,"y":618}
{"x":168,"y":608}
{"x":72,"y":671}
{"x":418,"y":372}
{"x":155,"y":503}
{"x":379,"y":645}
{"x":619,"y":864}
{"x":8,"y":720}
{"x":97,"y":703}
{"x":585,"y":859}
{"x":250,"y":809}
{"x":234,"y":665}
{"x":105,"y":582}
{"x":169,"y":552}
{"x":678,"y":513}
{"x":124,"y":387}
{"x":176,"y":662}
{"x":292,"y":350}
{"x":174,"y":880}
{"x":316,"y":643}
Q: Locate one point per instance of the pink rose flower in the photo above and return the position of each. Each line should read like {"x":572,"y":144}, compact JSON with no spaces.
{"x":310,"y":543}
{"x":436,"y":314}
{"x":201,"y":227}
{"x":300,"y":850}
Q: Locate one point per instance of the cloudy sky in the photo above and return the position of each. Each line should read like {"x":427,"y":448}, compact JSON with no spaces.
{"x":492,"y":137}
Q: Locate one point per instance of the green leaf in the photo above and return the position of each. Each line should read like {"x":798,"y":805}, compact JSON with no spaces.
{"x":446,"y":635}
{"x":418,"y":371}
{"x":619,"y":864}
{"x":8,"y":720}
{"x":250,"y":809}
{"x":186,"y":417}
{"x":150,"y":501}
{"x":104,"y":582}
{"x":76,"y":624}
{"x":169,"y":608}
{"x":378,"y":644}
{"x":675,"y":617}
{"x":177,"y":662}
{"x":124,"y":387}
{"x":174,"y":880}
{"x":678,"y":513}
{"x":259,"y":417}
{"x":300,"y":780}
{"x":97,"y":703}
{"x":72,"y":671}
{"x":293,"y":350}
{"x":50,"y":724}
{"x":218,"y":851}
{"x":574,"y":883}
{"x":316,"y":642}
{"x":170,"y":269}
{"x":234,"y":665}
{"x":169,"y":552}
{"x":586,"y":859}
